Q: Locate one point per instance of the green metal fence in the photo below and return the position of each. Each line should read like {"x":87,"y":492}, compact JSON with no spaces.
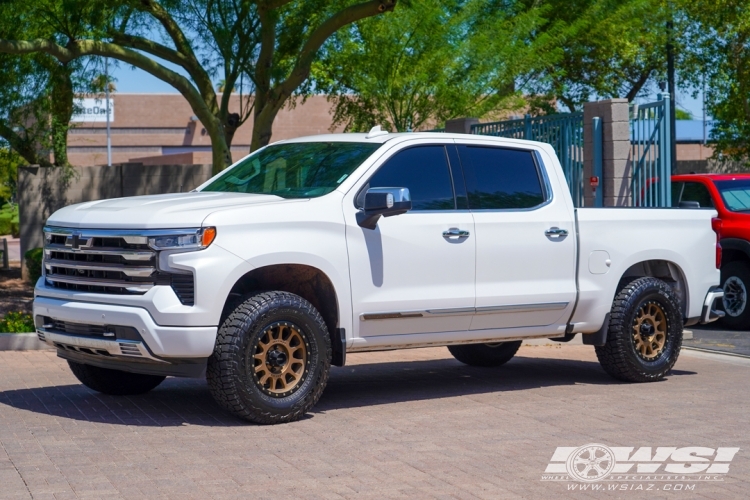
{"x":564,"y":132}
{"x":650,"y":137}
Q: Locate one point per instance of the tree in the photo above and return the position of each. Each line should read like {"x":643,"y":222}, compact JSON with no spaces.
{"x":610,"y":48}
{"x":717,"y":46}
{"x":36,"y":96}
{"x":272,"y":43}
{"x":432,"y":61}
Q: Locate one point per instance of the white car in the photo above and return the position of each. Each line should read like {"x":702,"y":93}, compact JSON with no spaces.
{"x":316,"y":247}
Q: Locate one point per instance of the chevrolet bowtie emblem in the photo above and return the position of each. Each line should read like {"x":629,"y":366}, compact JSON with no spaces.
{"x":76,"y":242}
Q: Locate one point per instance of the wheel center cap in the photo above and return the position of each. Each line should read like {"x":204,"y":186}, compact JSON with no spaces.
{"x":647,"y":329}
{"x":276,"y":358}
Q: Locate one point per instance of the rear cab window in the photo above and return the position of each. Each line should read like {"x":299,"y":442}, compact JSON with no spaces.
{"x":499,"y":178}
{"x":691,"y":191}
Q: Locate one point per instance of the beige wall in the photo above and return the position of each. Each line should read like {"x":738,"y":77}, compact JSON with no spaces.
{"x":42,"y":191}
{"x":692,"y":152}
{"x":149,"y":125}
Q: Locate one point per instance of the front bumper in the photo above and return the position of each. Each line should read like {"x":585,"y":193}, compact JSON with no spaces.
{"x":709,"y":312}
{"x":152,"y":342}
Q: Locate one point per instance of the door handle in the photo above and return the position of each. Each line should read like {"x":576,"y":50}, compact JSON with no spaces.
{"x":455,"y":233}
{"x":555,"y":232}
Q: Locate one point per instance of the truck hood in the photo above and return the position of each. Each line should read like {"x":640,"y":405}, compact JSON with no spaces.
{"x":163,"y":211}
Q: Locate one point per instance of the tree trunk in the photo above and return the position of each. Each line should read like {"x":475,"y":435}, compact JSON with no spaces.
{"x":220,"y":150}
{"x":263,"y":126}
{"x":61,"y":110}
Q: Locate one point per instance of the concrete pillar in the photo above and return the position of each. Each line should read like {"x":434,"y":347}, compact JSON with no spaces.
{"x":460,"y":125}
{"x":616,"y":152}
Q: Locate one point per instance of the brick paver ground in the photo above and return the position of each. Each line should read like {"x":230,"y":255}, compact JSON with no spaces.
{"x":406,"y":424}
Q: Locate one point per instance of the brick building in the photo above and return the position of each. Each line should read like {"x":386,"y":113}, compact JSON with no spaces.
{"x":161,"y":128}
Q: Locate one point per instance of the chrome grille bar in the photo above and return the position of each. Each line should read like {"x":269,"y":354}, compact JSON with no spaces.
{"x":120,"y":252}
{"x":141,"y":272}
{"x":131,"y":286}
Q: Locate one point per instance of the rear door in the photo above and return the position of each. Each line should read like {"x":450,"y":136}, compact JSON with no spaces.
{"x":525,"y":237}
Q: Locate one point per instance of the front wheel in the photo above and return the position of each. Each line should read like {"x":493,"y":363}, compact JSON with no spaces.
{"x":485,"y":354}
{"x":735,"y":279}
{"x":271,"y":360}
{"x":645,"y":332}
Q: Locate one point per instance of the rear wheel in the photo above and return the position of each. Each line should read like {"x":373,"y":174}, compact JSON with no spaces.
{"x":114,"y":382}
{"x":485,"y":354}
{"x":645,"y":332}
{"x":735,"y":279}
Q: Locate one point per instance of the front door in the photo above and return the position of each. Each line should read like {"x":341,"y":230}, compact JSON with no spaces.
{"x":414,"y":273}
{"x":525,"y":237}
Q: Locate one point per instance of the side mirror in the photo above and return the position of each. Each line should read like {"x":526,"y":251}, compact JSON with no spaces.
{"x":385,"y":202}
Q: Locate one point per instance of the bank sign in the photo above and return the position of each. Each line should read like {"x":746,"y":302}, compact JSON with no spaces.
{"x":92,"y":110}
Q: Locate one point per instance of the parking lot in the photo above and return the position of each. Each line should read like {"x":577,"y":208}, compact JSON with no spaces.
{"x":407,"y":424}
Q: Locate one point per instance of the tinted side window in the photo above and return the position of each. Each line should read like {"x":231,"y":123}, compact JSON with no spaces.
{"x":422,"y":169}
{"x":500,"y":178}
{"x":695,"y":191}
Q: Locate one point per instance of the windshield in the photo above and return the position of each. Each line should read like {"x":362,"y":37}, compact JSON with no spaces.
{"x":296,"y":170}
{"x":736,"y":194}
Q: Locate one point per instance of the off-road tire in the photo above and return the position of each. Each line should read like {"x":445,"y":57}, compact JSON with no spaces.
{"x":619,"y":356}
{"x":485,"y":354}
{"x":114,"y":382}
{"x":235,"y":385}
{"x":739,"y":271}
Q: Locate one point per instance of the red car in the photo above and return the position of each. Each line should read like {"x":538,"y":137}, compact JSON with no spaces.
{"x":729,"y":194}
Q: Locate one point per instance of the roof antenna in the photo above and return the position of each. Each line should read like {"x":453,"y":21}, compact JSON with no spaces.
{"x":375,"y":132}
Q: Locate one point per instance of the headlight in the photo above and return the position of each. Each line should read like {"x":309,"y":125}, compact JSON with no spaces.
{"x":188,"y":240}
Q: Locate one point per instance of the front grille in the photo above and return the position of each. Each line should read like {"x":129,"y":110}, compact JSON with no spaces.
{"x":106,"y":262}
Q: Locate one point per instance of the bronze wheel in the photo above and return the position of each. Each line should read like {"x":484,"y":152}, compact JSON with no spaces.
{"x":650,"y":330}
{"x":644,"y":334}
{"x":280,"y":359}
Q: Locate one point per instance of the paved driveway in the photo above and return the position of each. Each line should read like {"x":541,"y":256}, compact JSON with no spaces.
{"x":408,"y":424}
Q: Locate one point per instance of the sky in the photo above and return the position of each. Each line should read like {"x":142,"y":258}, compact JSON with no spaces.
{"x":138,"y":81}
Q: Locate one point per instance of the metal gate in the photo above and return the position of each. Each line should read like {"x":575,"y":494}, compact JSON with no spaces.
{"x":650,"y":137}
{"x":564,"y":132}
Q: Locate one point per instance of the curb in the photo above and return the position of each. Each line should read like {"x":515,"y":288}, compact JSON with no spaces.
{"x":22,"y":342}
{"x":713,"y":351}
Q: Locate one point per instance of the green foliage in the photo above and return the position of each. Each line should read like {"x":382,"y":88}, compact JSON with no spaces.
{"x":17,"y":322}
{"x":682,"y":114}
{"x":9,"y":223}
{"x":431,"y":61}
{"x":264,"y":48}
{"x":9,"y":163}
{"x":718,"y":46}
{"x":610,"y":49}
{"x":33,"y":260}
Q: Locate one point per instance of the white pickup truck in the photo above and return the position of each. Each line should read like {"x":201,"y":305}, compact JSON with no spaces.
{"x":312,"y":248}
